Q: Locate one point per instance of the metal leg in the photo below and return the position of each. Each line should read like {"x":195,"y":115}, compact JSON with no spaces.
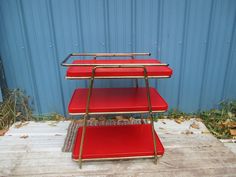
{"x":150,"y":113}
{"x":136,"y":80}
{"x":154,"y":140}
{"x":87,"y":110}
{"x":85,"y":120}
{"x":82,"y":141}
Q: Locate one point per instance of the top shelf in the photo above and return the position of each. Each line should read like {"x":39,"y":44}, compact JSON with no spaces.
{"x":115,"y":68}
{"x":111,"y":71}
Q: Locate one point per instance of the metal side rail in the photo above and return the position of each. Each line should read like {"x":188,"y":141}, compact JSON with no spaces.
{"x":88,"y":102}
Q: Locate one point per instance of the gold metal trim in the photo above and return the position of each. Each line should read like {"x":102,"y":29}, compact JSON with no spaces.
{"x":95,"y":55}
{"x":111,"y":54}
{"x":115,"y":77}
{"x":117,"y":158}
{"x":131,"y":112}
{"x":116,"y":65}
{"x":85,"y":116}
{"x":88,"y":102}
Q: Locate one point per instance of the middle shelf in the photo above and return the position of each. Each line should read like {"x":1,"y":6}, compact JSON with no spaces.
{"x":116,"y":101}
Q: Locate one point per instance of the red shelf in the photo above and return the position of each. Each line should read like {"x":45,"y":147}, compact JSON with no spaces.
{"x":116,"y":100}
{"x":116,"y":142}
{"x":86,"y":71}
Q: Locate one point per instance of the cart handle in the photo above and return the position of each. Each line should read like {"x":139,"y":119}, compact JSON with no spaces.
{"x":63,"y":63}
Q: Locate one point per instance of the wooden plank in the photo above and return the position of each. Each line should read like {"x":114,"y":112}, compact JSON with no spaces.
{"x":231,"y":146}
{"x":123,"y":167}
{"x":208,"y":172}
{"x":190,"y":140}
{"x":179,"y":162}
{"x":39,"y":128}
{"x":175,"y":154}
{"x":40,"y":155}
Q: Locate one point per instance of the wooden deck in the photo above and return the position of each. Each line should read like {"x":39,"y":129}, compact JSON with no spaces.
{"x":35,"y":150}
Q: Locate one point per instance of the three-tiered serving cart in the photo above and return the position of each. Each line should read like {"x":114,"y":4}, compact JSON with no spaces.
{"x":116,"y":141}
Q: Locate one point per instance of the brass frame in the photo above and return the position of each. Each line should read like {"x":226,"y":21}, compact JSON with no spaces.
{"x":116,"y":77}
{"x":101,"y":113}
{"x":118,"y":158}
{"x":95,"y":55}
{"x":88,"y":102}
{"x":95,"y":66}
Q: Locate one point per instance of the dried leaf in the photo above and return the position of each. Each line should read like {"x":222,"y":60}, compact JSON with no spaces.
{"x":119,"y":118}
{"x":198,"y":119}
{"x":233,"y":132}
{"x":57,"y":135}
{"x":93,"y":120}
{"x":179,"y":120}
{"x":205,"y":132}
{"x":230,"y":114}
{"x":2,"y":132}
{"x":18,"y":114}
{"x":187,"y":132}
{"x":194,"y":125}
{"x":131,"y":119}
{"x":230,"y":124}
{"x":101,"y":118}
{"x":24,"y":136}
{"x":58,"y":117}
{"x":53,"y":124}
{"x":80,"y":121}
{"x":21,"y":124}
{"x":123,"y":121}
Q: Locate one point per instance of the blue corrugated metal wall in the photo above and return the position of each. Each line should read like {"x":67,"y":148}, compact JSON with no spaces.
{"x":197,"y":39}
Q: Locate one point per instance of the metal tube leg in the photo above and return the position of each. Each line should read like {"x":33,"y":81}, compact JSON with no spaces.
{"x":85,"y":120}
{"x":136,"y":80}
{"x":82,"y":141}
{"x":154,"y":140}
{"x":150,"y":113}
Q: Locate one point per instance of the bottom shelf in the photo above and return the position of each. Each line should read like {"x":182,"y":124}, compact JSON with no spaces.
{"x":117,"y":141}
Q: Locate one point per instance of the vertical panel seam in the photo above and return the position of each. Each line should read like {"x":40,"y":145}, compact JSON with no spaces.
{"x":29,"y":56}
{"x":55,"y":52}
{"x":25,"y":51}
{"x":160,"y":27}
{"x":79,"y":23}
{"x":80,"y":28}
{"x":229,"y":57}
{"x":133,"y":25}
{"x":106,"y":25}
{"x":211,"y":19}
{"x":183,"y":51}
{"x":7,"y":45}
{"x":158,"y":37}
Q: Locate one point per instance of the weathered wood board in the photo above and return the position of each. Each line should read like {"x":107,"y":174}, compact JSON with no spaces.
{"x":39,"y":154}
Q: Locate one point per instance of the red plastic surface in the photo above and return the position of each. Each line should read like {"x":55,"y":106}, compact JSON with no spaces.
{"x":86,"y":71}
{"x":117,"y":141}
{"x":116,"y":100}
